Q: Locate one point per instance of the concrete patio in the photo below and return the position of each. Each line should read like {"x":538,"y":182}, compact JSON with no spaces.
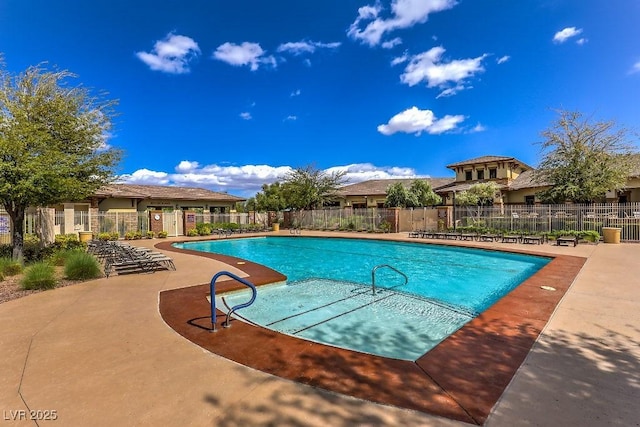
{"x":99,"y":353}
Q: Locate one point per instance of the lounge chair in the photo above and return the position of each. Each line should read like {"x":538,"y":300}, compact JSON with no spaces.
{"x":511,"y":238}
{"x":533,"y":240}
{"x":567,"y":240}
{"x":488,"y":237}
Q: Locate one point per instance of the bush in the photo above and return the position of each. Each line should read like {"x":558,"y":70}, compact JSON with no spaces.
{"x":9,"y":267}
{"x":40,"y":275}
{"x":203,"y":228}
{"x":129,"y":235}
{"x":162,"y":234}
{"x":192,"y":233}
{"x":81,"y":266}
{"x":150,"y":234}
{"x":104,"y":236}
{"x":61,"y":256}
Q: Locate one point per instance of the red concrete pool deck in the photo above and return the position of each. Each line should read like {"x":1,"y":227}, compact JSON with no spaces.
{"x":99,"y":353}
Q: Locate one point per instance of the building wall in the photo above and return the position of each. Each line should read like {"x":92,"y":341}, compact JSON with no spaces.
{"x":503,"y":171}
{"x":118,"y":205}
{"x":132,"y":205}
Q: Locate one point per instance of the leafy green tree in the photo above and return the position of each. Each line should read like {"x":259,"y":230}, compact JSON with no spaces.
{"x":52,"y":143}
{"x":418,"y":194}
{"x":480,"y":194}
{"x":583,"y":159}
{"x":399,"y":196}
{"x":271,"y":198}
{"x":424,"y":193}
{"x":310,"y":188}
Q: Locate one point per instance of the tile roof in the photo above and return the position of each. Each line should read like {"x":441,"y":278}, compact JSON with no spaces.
{"x":132,"y":191}
{"x":526,"y":179}
{"x":488,"y":159}
{"x":379,"y":186}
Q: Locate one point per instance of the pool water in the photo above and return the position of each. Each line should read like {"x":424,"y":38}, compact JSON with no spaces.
{"x":348,"y":315}
{"x":328,"y":296}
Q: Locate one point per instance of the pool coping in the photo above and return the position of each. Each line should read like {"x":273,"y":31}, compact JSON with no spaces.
{"x":462,"y":378}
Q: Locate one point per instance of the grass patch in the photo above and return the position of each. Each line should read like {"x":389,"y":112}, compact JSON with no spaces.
{"x":40,"y":275}
{"x":81,"y":266}
{"x":61,"y":256}
{"x":9,"y":267}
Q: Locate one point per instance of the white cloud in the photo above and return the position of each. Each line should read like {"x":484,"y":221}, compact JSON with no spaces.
{"x":247,"y":180}
{"x":291,"y":118}
{"x":246,"y":115}
{"x":146,"y":176}
{"x":503,"y":59}
{"x":391,"y":43}
{"x":359,"y":172}
{"x":449,"y":76}
{"x":635,"y":68}
{"x":302,"y":47}
{"x":249,"y":54}
{"x":478,"y":128}
{"x":582,"y":41}
{"x":400,"y":59}
{"x":404,"y":14}
{"x":171,"y":55}
{"x":295,"y":93}
{"x":416,"y":121}
{"x":565,"y":34}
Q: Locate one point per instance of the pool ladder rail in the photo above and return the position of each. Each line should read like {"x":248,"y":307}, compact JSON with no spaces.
{"x":373,"y":275}
{"x":254,"y":293}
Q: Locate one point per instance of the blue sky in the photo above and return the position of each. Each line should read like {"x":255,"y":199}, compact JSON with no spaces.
{"x":230,"y":95}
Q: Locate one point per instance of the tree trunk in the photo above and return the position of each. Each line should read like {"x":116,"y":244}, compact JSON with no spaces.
{"x":16,"y":214}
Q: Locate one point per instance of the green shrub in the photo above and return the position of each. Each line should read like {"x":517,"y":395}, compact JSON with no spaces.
{"x":193,"y":232}
{"x":203,"y":228}
{"x":81,"y":266}
{"x":162,"y":234}
{"x":104,"y":236}
{"x":60,"y":256}
{"x":9,"y":267}
{"x":129,"y":235}
{"x":40,"y":275}
{"x":115,"y":236}
{"x":590,"y":236}
{"x":150,"y":234}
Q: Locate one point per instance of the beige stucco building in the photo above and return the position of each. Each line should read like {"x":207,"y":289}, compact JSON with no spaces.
{"x":513,"y":177}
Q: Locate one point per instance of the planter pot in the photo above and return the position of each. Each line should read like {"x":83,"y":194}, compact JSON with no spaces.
{"x":276,"y":226}
{"x":85,"y":236}
{"x":611,"y":234}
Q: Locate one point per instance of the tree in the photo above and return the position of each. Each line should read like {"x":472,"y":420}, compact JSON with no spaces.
{"x":417,"y":195}
{"x":424,"y":193}
{"x":271,"y":198}
{"x":480,"y":194}
{"x":52,"y":143}
{"x":582,"y":159}
{"x":398,"y":196}
{"x":310,"y":188}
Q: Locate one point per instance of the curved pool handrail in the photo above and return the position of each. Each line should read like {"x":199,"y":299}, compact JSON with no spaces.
{"x":373,"y":275}
{"x":212,"y":286}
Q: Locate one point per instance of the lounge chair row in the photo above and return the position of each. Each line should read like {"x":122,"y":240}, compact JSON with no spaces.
{"x":122,"y":258}
{"x":488,"y":237}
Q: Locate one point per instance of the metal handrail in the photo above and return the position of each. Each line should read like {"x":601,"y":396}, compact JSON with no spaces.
{"x":245,"y":282}
{"x":373,"y":275}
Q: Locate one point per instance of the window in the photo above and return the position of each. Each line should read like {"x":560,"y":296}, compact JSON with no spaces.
{"x":481,"y":174}
{"x":529,"y":200}
{"x":493,"y":173}
{"x":467,"y":176}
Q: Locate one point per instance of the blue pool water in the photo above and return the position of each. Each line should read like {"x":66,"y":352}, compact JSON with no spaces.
{"x":328,"y":296}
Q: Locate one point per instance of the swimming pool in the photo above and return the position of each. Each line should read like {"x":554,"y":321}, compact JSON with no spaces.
{"x":328,"y":295}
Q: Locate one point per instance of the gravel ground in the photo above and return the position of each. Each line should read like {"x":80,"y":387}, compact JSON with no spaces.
{"x":10,"y":287}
